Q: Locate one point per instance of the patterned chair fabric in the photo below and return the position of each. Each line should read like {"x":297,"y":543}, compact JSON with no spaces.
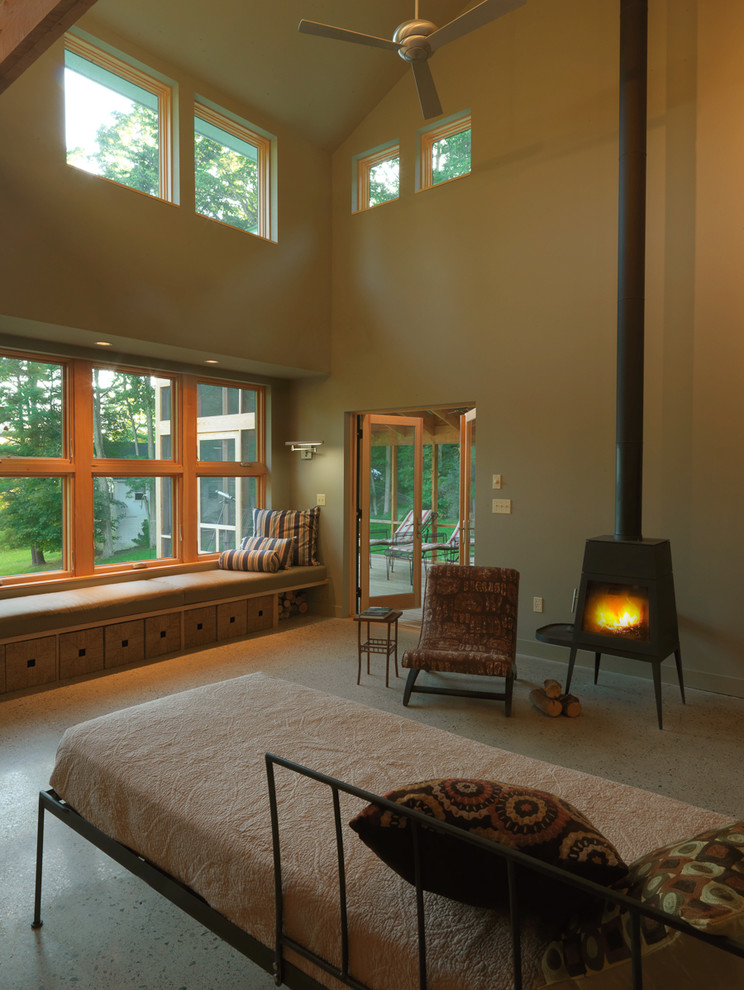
{"x":469,"y":627}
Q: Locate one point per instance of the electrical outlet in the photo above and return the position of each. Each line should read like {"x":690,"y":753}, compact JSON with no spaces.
{"x":501,"y":505}
{"x":538,"y":604}
{"x":320,"y":499}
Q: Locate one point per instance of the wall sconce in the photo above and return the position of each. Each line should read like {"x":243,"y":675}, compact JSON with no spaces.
{"x":307,"y":448}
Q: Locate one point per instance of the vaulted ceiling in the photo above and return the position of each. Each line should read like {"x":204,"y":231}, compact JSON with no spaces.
{"x":251,"y":50}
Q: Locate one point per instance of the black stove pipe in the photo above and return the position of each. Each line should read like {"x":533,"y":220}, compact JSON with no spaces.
{"x":631,"y":269}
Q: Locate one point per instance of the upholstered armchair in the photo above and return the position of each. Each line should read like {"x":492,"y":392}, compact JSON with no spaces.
{"x":469,"y":627}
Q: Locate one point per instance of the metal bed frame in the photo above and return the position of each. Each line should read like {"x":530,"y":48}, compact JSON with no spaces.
{"x":274,"y":961}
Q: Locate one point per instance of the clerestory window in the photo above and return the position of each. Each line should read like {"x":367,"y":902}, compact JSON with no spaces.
{"x":377,"y":178}
{"x":232,"y":171}
{"x":445,"y":151}
{"x":118,"y":119}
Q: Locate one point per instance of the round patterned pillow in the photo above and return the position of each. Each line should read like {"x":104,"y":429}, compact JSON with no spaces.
{"x":535,"y":822}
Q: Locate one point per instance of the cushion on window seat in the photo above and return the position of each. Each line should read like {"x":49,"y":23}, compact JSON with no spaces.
{"x":31,"y":615}
{"x":37,"y":613}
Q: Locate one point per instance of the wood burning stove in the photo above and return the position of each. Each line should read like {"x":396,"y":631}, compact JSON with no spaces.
{"x":626,"y":603}
{"x":625,"y":608}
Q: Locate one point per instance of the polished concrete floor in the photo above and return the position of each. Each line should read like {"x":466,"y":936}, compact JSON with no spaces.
{"x":104,"y":930}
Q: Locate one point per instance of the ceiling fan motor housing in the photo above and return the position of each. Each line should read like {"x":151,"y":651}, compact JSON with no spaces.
{"x":412,"y":36}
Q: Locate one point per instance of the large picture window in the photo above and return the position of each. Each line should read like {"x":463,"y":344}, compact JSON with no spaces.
{"x":105,"y":468}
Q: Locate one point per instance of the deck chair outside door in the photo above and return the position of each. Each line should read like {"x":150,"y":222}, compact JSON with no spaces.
{"x":401,"y":545}
{"x":469,"y":626}
{"x":448,"y":549}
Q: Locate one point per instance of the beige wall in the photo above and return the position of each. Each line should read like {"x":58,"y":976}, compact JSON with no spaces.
{"x":87,"y":254}
{"x":501,"y":289}
{"x":497,"y":289}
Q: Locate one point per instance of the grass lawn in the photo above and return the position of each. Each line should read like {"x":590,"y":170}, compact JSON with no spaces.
{"x":19,"y":561}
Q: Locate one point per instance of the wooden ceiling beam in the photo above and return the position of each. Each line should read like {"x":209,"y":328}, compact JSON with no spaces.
{"x":29,"y":27}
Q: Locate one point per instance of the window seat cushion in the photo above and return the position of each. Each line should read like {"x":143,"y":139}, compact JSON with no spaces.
{"x":30,"y":615}
{"x":212,"y":585}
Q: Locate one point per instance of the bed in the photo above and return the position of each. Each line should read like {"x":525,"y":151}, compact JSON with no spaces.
{"x":177,"y":790}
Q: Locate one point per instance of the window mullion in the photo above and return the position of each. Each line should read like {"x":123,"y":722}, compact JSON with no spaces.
{"x":80,"y":514}
{"x":187,"y":510}
{"x":48,"y":467}
{"x":124,"y":467}
{"x":230,"y":469}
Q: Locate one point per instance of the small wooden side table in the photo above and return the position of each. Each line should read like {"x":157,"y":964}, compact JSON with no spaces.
{"x":376,"y":644}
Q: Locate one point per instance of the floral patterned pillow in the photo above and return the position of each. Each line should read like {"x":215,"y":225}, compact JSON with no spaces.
{"x":535,"y":822}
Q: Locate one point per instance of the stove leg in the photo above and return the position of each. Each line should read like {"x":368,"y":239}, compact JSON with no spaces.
{"x":597,"y":657}
{"x":571,"y":662}
{"x":656,"y":664}
{"x":678,"y":661}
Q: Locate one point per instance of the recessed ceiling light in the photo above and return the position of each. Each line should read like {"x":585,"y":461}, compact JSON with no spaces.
{"x":211,"y":361}
{"x":103,"y":343}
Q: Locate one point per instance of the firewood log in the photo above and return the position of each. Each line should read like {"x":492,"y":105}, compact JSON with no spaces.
{"x":550,"y":706}
{"x":570,"y":705}
{"x":553,"y":688}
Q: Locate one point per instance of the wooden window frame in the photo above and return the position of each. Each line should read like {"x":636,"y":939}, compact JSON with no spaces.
{"x":220,"y":469}
{"x":429,"y":138}
{"x":263,"y":145}
{"x":162,"y":90}
{"x":364,"y":165}
{"x":78,"y":467}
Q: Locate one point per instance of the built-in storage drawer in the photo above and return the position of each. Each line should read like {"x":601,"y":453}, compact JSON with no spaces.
{"x":231,"y":619}
{"x":199,"y":626}
{"x":162,"y":634}
{"x":259,"y":613}
{"x":124,"y":642}
{"x":80,"y":652}
{"x":30,"y":663}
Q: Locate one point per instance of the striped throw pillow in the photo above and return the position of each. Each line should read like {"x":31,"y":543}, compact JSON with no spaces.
{"x":284,"y":548}
{"x":298,"y":524}
{"x":249,"y":560}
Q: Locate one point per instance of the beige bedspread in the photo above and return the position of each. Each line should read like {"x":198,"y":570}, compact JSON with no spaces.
{"x":182,"y":781}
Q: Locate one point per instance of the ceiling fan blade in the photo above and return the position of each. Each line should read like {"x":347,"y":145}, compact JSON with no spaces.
{"x":474,"y":18}
{"x":427,"y":91}
{"x":342,"y":34}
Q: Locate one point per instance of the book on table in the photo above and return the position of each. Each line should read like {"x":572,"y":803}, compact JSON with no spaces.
{"x":376,"y":612}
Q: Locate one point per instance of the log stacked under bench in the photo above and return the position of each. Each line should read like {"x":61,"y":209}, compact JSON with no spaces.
{"x":54,"y":635}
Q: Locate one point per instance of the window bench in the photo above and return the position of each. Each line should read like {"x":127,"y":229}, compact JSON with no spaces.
{"x":54,"y":635}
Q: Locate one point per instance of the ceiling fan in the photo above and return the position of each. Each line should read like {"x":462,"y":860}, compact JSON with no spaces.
{"x":416,"y":40}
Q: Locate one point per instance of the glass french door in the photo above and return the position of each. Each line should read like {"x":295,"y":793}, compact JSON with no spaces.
{"x":467,"y":487}
{"x":390,"y":511}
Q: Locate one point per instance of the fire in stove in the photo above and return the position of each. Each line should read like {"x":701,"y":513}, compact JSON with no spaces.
{"x":616,"y":610}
